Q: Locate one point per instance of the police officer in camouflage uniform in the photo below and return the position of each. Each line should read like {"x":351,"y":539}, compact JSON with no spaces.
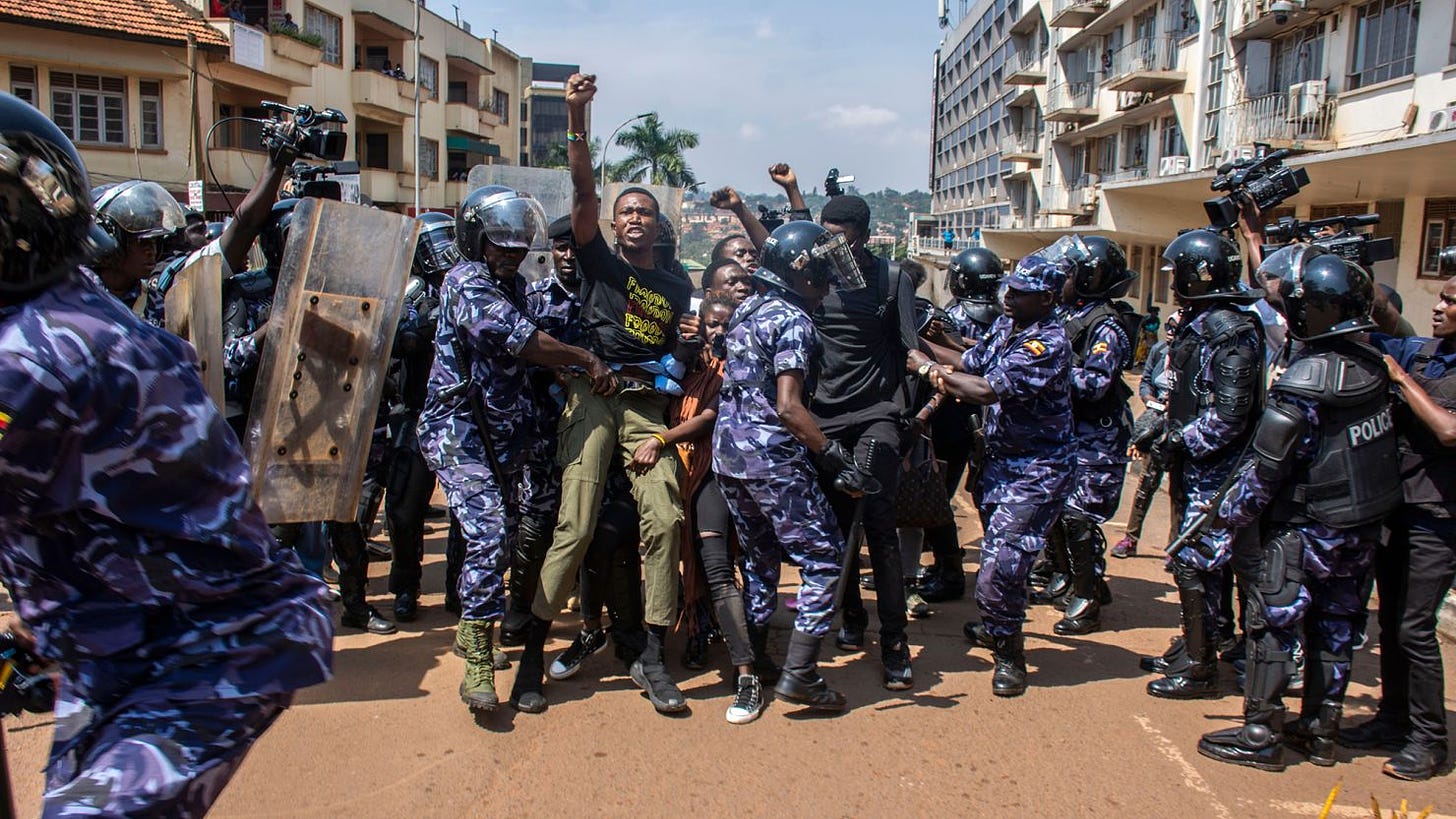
{"x":554,"y":305}
{"x":141,"y":218}
{"x":1020,"y":372}
{"x":1102,"y":345}
{"x":479,"y":412}
{"x":1217,"y":365}
{"x":1325,"y":472}
{"x":127,"y":538}
{"x":765,"y":445}
{"x":408,"y":482}
{"x":974,"y":277}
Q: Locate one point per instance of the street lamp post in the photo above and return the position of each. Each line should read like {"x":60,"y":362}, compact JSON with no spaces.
{"x":609,"y":142}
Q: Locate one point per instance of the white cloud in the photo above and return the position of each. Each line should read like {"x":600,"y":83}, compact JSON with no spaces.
{"x":765,"y":30}
{"x":749,"y":132}
{"x":856,"y":116}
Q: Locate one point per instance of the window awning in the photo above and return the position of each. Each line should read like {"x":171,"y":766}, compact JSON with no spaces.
{"x":455,"y":142}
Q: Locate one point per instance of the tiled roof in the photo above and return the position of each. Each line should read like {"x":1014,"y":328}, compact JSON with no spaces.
{"x":140,"y":19}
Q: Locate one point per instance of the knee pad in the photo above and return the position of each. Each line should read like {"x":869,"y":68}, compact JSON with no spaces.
{"x":1282,"y":574}
{"x":1080,"y":530}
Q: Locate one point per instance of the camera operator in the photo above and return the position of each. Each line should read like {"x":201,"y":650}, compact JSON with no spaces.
{"x":1217,"y":365}
{"x":126,"y":535}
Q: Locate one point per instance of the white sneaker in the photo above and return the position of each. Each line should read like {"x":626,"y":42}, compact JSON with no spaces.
{"x":748,"y":702}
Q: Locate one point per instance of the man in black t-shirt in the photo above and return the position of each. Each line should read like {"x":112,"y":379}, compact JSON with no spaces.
{"x":630,"y":312}
{"x":860,"y":403}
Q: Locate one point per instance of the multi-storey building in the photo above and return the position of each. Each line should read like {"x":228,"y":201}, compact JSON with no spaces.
{"x":543,"y":113}
{"x":1111,"y":116}
{"x":156,"y":90}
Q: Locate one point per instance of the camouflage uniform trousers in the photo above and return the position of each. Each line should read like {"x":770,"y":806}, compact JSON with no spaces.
{"x":1327,"y":606}
{"x":785,"y":515}
{"x":488,"y":515}
{"x":1023,"y":497}
{"x":150,"y":755}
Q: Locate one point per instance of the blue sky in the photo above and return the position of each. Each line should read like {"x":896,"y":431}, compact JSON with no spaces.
{"x":815,"y":84}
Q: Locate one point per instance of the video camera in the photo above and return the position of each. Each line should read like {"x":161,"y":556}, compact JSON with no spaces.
{"x":308,"y":139}
{"x":311,"y":180}
{"x":1264,"y":179}
{"x":20,"y":688}
{"x":832,"y":183}
{"x":1345,"y":242}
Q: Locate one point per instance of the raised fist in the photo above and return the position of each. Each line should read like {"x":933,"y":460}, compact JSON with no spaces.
{"x":581,"y":89}
{"x":725,"y":198}
{"x":782,"y":174}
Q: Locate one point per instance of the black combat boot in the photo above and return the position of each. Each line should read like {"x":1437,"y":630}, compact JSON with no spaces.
{"x":1314,"y":732}
{"x":800,"y":682}
{"x":1162,"y":662}
{"x":1258,"y":743}
{"x":1195,"y":675}
{"x":532,"y":540}
{"x":1009,"y":677}
{"x":526,"y":693}
{"x":763,"y":665}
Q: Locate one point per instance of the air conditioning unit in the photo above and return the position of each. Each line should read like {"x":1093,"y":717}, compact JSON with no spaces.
{"x":1442,"y":119}
{"x":1306,"y":99}
{"x":1236,"y":154}
{"x":1173,"y":165}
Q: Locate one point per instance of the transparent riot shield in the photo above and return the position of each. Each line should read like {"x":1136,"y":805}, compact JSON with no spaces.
{"x":326,"y":349}
{"x":194,"y":313}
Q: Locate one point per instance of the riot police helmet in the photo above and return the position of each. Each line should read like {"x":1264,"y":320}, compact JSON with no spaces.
{"x":435,"y":250}
{"x":138,"y":210}
{"x":802,"y":252}
{"x":1205,"y":266}
{"x":501,"y":216}
{"x":975,"y":275}
{"x":1325,"y":296}
{"x":45,"y":205}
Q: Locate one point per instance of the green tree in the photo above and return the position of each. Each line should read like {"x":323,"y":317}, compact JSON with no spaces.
{"x":556,"y":155}
{"x":658,"y":155}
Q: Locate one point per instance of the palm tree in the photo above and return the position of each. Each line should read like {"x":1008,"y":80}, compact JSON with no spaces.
{"x":658,"y":155}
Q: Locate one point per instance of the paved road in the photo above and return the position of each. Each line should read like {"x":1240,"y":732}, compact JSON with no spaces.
{"x":388,"y":737}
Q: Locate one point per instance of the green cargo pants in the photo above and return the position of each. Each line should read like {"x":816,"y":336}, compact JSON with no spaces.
{"x":595,"y":429}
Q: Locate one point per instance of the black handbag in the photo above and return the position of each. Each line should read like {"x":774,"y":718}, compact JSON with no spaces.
{"x":921,"y":501}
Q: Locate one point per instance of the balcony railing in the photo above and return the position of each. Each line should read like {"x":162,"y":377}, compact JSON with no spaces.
{"x":1021,"y":144}
{"x":1025,"y":67}
{"x":1146,"y":56}
{"x":1127,"y":175}
{"x":1070,"y":100}
{"x":1283,"y":118}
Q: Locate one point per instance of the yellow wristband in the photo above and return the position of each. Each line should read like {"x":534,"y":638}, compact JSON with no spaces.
{"x":660,"y":439}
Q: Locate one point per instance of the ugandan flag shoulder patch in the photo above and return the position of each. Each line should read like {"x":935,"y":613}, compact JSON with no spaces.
{"x":1035,"y":346}
{"x":4,"y":422}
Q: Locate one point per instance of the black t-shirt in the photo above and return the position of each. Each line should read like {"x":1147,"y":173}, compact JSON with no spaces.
{"x":865,"y":335}
{"x":630,"y":313}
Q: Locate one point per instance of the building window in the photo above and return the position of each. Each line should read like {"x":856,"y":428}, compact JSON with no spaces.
{"x":89,"y":108}
{"x":376,"y":151}
{"x":151,"y":96}
{"x":1385,"y":41}
{"x":1170,"y":142}
{"x":1135,"y":146}
{"x":22,"y":83}
{"x":329,"y":27}
{"x":457,"y":91}
{"x":1298,"y":57}
{"x":1440,"y":232}
{"x":430,"y":77}
{"x":430,"y":158}
{"x":242,"y":133}
{"x":501,"y":105}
